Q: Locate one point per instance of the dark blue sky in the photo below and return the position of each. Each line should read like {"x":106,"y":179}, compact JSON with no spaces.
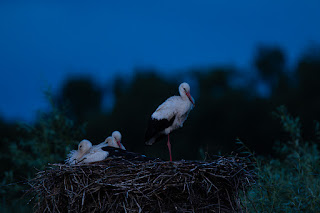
{"x":42,"y":42}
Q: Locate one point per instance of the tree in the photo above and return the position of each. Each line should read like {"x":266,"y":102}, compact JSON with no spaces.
{"x":270,"y":62}
{"x":83,"y":96}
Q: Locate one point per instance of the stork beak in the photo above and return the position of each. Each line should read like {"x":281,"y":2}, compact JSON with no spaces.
{"x":119,"y":144}
{"x":191,"y":99}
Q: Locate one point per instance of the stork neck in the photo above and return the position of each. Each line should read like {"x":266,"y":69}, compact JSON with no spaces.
{"x":81,"y":154}
{"x":183,"y":94}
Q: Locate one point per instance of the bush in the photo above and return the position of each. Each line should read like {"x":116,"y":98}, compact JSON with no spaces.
{"x":47,"y":141}
{"x":291,"y":182}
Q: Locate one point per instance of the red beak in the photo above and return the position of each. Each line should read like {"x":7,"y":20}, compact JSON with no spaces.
{"x":190,"y":98}
{"x":119,"y":144}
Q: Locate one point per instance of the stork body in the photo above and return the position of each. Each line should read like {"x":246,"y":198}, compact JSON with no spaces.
{"x":95,"y":154}
{"x":75,"y":155}
{"x":115,"y":152}
{"x":87,"y":153}
{"x":170,"y":115}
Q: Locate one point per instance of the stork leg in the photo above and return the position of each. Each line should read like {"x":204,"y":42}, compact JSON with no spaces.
{"x":169,"y":147}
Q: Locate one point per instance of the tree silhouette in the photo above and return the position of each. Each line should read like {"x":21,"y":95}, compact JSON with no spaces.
{"x":270,"y":62}
{"x":83,"y":96}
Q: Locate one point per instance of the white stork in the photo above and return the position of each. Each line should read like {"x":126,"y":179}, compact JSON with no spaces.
{"x":169,"y":116}
{"x":117,"y":136}
{"x":111,"y":142}
{"x":75,"y":155}
{"x":87,"y":153}
{"x":95,"y":154}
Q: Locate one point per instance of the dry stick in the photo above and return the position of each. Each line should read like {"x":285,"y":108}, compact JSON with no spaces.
{"x":230,"y":200}
{"x":146,"y":179}
{"x":210,"y":183}
{"x":57,"y":207}
{"x":219,"y":202}
{"x":140,"y":210}
{"x":245,"y":200}
{"x":124,"y":207}
{"x":238,"y":172}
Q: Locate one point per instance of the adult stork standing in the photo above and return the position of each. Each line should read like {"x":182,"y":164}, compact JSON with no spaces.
{"x":169,"y":116}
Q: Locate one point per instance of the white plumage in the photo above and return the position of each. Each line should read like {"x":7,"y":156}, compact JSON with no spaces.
{"x":170,"y":115}
{"x":95,"y":154}
{"x":75,"y":155}
{"x":87,"y":153}
{"x":117,"y":136}
{"x":111,"y":142}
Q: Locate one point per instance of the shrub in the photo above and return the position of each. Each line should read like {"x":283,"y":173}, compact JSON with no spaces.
{"x":47,"y":141}
{"x":291,"y":182}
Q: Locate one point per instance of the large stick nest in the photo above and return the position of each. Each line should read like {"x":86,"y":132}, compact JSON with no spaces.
{"x":153,"y":186}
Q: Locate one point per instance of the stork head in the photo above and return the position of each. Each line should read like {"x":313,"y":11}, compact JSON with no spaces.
{"x":112,"y":142}
{"x":184,"y":88}
{"x":84,"y":146}
{"x":117,"y":136}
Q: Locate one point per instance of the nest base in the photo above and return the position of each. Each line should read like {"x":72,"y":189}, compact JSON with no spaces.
{"x":153,"y":186}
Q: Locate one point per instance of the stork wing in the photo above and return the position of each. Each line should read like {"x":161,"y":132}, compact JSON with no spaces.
{"x":167,"y":109}
{"x":161,"y":119}
{"x":100,"y":145}
{"x":155,"y":128}
{"x":71,"y":157}
{"x":117,"y":153}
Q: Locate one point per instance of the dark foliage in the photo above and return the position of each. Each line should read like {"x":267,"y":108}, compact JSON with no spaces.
{"x":290,"y":182}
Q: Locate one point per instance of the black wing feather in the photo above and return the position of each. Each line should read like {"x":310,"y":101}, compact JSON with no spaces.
{"x":117,"y":153}
{"x":156,"y":126}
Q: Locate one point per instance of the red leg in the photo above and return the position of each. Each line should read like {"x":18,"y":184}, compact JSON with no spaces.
{"x":169,"y":147}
